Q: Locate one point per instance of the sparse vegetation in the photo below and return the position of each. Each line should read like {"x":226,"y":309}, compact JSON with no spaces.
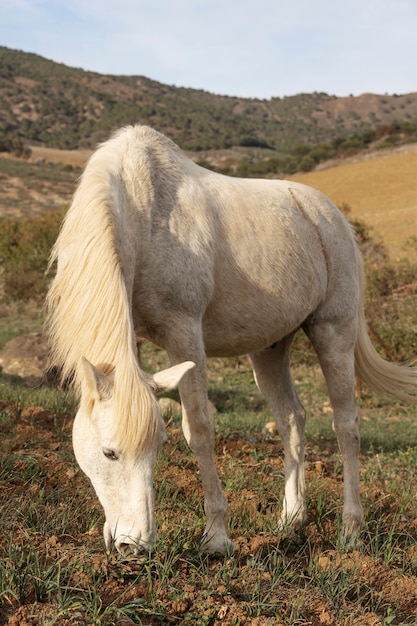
{"x":28,"y":189}
{"x":25,"y":245}
{"x":305,"y":157}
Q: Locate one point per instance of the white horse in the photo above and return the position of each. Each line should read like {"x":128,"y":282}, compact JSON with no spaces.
{"x":156,"y":247}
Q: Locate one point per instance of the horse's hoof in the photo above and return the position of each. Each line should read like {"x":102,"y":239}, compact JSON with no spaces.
{"x":217,"y":545}
{"x":289,"y":526}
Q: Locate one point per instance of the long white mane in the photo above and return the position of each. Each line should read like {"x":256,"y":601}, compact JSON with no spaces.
{"x":89,"y":302}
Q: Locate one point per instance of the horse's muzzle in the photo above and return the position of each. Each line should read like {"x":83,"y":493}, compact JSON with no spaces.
{"x":126,"y":545}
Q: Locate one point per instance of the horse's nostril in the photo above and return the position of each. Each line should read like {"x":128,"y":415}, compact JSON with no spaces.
{"x":127,"y":549}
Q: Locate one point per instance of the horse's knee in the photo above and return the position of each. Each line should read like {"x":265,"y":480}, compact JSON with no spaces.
{"x":348,"y":432}
{"x":198,"y":432}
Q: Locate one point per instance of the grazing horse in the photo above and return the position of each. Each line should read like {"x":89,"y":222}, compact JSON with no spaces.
{"x":201,"y":264}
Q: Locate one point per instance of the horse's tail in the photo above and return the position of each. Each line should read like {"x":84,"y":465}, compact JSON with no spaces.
{"x":383,"y":376}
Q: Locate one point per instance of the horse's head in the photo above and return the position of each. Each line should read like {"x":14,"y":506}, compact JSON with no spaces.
{"x":122,"y":479}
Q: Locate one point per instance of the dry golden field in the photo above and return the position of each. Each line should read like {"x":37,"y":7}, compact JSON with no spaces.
{"x":381,"y":190}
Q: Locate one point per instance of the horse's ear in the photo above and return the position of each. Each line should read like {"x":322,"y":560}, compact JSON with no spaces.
{"x":169,"y":378}
{"x":98,"y":383}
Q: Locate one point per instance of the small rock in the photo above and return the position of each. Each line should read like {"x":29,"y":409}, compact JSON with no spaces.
{"x":320,"y":468}
{"x":26,"y":357}
{"x":327,"y":409}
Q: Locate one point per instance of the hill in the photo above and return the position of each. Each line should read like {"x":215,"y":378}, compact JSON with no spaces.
{"x":50,"y":104}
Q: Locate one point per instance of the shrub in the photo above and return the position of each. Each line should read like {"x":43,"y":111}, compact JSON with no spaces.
{"x":25,"y":244}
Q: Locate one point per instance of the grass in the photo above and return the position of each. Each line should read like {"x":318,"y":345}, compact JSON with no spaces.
{"x":19,"y":318}
{"x":54,"y":568}
{"x":31,"y":188}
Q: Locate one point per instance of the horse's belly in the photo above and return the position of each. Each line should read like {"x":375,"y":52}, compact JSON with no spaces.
{"x":248,"y":329}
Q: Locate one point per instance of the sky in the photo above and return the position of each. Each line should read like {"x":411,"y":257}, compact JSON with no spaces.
{"x":245,"y":48}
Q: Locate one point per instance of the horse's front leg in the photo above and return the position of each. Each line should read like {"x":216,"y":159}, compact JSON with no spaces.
{"x":199,"y":434}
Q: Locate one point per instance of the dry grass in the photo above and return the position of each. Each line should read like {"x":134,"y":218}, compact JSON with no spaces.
{"x":381,"y":191}
{"x":78,"y":158}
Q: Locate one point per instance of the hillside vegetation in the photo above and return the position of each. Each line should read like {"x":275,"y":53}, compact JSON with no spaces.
{"x":42,"y":102}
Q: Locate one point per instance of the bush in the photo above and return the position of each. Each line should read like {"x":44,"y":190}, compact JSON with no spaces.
{"x":14,"y":146}
{"x":306,"y":164}
{"x":25,"y":245}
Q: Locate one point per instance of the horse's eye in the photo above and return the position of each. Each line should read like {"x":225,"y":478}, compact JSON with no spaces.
{"x":110,"y":454}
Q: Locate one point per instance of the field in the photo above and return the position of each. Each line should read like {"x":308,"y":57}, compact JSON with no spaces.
{"x":54,"y":568}
{"x":380,"y":190}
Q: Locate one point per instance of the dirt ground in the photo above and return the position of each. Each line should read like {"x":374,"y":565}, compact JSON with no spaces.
{"x":78,"y":158}
{"x":33,"y":435}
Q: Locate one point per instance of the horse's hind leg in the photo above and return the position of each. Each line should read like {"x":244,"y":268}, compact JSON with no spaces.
{"x":199,"y":434}
{"x":334,"y":344}
{"x":272,"y":374}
